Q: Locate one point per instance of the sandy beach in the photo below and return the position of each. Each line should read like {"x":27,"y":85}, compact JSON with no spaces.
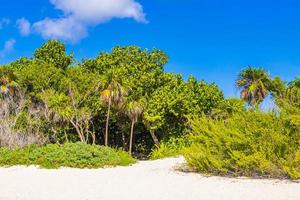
{"x":146,"y":180}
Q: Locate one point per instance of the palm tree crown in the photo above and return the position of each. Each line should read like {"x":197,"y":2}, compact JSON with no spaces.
{"x":254,"y":84}
{"x":113,"y":95}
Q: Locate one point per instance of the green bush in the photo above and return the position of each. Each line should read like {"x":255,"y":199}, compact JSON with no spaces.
{"x":77,"y":155}
{"x":251,"y":143}
{"x":172,"y":147}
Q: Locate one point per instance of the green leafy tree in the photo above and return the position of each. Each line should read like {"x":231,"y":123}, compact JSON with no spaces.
{"x":140,"y":70}
{"x":132,"y":67}
{"x":78,"y":103}
{"x":163,"y":105}
{"x":38,"y":76}
{"x":201,"y":97}
{"x":54,"y":52}
{"x":169,"y":106}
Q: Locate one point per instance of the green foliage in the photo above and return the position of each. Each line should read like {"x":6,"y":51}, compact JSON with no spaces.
{"x":53,"y":52}
{"x":292,"y":167}
{"x":76,"y":155}
{"x":168,"y":107}
{"x":137,"y":69}
{"x":8,"y":85}
{"x":295,"y":83}
{"x":173,"y":147}
{"x":69,"y":101}
{"x":249,"y":144}
{"x":37,"y":76}
{"x":277,"y":87}
{"x":255,"y":84}
{"x":227,"y":108}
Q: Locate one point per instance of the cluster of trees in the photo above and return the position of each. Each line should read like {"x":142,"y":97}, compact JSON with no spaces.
{"x":122,"y":98}
{"x":256,"y":84}
{"x":239,"y":140}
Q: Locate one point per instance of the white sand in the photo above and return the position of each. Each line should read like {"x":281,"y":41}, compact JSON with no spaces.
{"x":148,"y":180}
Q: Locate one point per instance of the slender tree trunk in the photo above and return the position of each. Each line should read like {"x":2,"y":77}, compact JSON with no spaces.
{"x":66,"y":136}
{"x":155,"y":139}
{"x":81,"y":136}
{"x":107,"y":122}
{"x":93,"y":137}
{"x":123,"y":140}
{"x":131,"y":137}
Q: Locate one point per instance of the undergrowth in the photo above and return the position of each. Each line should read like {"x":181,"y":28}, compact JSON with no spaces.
{"x":75,"y":155}
{"x":252,"y":143}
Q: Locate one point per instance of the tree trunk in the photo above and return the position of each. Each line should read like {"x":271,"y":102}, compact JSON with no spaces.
{"x":81,"y":136}
{"x":93,"y":138}
{"x":155,"y":139}
{"x":107,"y":122}
{"x":131,"y":137}
{"x":123,"y":140}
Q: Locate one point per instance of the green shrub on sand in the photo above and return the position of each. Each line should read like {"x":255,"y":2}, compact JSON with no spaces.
{"x":76,"y":155}
{"x":246,"y":144}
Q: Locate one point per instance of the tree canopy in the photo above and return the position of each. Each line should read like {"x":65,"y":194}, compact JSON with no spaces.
{"x":121,"y":97}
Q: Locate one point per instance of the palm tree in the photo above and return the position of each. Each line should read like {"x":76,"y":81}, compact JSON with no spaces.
{"x":134,"y":110}
{"x":254,"y":84}
{"x":112,"y":95}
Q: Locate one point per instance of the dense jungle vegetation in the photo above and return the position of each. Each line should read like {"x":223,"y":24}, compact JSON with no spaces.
{"x":125,"y":100}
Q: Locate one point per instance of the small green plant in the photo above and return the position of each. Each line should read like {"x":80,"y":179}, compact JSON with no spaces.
{"x":170,"y":148}
{"x":76,"y":155}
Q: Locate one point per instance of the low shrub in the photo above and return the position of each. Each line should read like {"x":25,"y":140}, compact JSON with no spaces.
{"x":172,"y":147}
{"x":252,"y":144}
{"x":76,"y":155}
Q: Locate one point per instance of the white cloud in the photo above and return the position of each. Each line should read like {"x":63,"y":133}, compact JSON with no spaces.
{"x":24,"y":26}
{"x":97,"y":11}
{"x":4,"y":22}
{"x":66,"y":29}
{"x":79,"y":15}
{"x":8,"y":47}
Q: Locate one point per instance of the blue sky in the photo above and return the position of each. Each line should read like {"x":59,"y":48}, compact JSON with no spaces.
{"x":211,"y":39}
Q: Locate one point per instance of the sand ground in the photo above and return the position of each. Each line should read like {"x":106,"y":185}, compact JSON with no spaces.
{"x":146,"y":180}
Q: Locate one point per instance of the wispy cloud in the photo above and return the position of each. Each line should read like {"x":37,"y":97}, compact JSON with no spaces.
{"x":79,"y":15}
{"x":4,"y":22}
{"x":8,"y":47}
{"x":24,"y":26}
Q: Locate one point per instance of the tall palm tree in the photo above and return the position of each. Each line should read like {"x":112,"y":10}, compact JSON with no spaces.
{"x":133,"y":111}
{"x":254,"y":84}
{"x":112,"y":95}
